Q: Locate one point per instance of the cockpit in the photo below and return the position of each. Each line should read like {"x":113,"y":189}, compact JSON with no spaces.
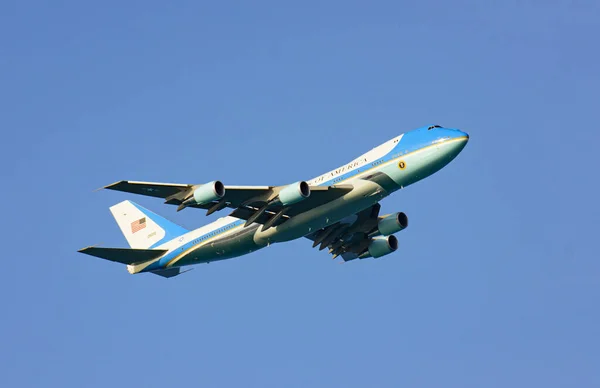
{"x":434,"y":126}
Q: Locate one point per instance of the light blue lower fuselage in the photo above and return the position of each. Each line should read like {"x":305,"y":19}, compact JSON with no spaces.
{"x":395,"y":164}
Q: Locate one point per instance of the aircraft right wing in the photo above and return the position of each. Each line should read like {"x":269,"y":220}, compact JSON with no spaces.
{"x":267,"y":205}
{"x":349,"y":240}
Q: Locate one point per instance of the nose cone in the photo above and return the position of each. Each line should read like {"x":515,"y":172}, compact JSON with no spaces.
{"x":456,"y":141}
{"x":457,"y":134}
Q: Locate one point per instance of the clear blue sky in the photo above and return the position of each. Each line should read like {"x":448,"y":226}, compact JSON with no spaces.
{"x":495,"y":284}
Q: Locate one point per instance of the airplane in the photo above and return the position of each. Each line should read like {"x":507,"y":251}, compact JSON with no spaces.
{"x":338,"y":210}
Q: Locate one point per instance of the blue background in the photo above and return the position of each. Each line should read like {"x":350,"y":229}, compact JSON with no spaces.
{"x":496,"y":280}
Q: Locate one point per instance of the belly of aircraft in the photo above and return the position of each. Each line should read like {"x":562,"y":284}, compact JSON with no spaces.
{"x":365,"y":194}
{"x":368,"y":190}
{"x":237,"y":243}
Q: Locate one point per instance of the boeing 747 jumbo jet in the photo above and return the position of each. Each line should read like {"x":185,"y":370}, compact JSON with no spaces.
{"x":338,"y":210}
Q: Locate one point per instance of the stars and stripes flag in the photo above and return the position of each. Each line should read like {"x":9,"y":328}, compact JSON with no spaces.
{"x":138,"y":225}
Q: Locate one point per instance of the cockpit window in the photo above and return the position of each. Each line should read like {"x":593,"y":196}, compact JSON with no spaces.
{"x":433,"y":126}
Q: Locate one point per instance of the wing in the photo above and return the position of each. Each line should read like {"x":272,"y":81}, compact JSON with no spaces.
{"x":348,"y":239}
{"x":252,"y":203}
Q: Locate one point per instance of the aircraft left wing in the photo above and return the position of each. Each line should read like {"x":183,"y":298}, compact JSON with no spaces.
{"x":267,"y":205}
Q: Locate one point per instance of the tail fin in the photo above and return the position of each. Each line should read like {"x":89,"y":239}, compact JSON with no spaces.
{"x":142,"y":228}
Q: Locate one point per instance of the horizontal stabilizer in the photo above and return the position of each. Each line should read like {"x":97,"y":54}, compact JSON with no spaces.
{"x":124,"y":255}
{"x":170,"y":272}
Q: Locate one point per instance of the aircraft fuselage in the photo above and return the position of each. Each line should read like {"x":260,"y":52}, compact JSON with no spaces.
{"x":393,"y":165}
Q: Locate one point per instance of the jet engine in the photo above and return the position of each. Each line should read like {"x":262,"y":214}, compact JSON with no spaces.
{"x":209,"y":192}
{"x":392,"y":223}
{"x":294,"y":193}
{"x":381,"y":246}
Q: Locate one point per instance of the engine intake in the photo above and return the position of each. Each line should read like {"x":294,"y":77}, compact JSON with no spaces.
{"x":382,"y":245}
{"x":209,"y":192}
{"x":392,"y":223}
{"x":294,"y":193}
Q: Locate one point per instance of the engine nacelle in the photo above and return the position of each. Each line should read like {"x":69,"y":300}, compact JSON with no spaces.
{"x":209,"y":192}
{"x":294,"y":193}
{"x":382,"y":245}
{"x":392,"y":223}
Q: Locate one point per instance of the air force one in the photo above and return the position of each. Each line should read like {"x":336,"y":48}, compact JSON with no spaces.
{"x":338,"y":210}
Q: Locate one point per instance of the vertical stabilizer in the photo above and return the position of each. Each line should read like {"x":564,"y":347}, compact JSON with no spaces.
{"x":142,"y":228}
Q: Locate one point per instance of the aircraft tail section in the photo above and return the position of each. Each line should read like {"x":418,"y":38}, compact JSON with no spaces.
{"x":136,"y":259}
{"x":142,"y":228}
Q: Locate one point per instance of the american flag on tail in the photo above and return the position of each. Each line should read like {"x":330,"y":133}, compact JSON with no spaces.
{"x":138,"y":225}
